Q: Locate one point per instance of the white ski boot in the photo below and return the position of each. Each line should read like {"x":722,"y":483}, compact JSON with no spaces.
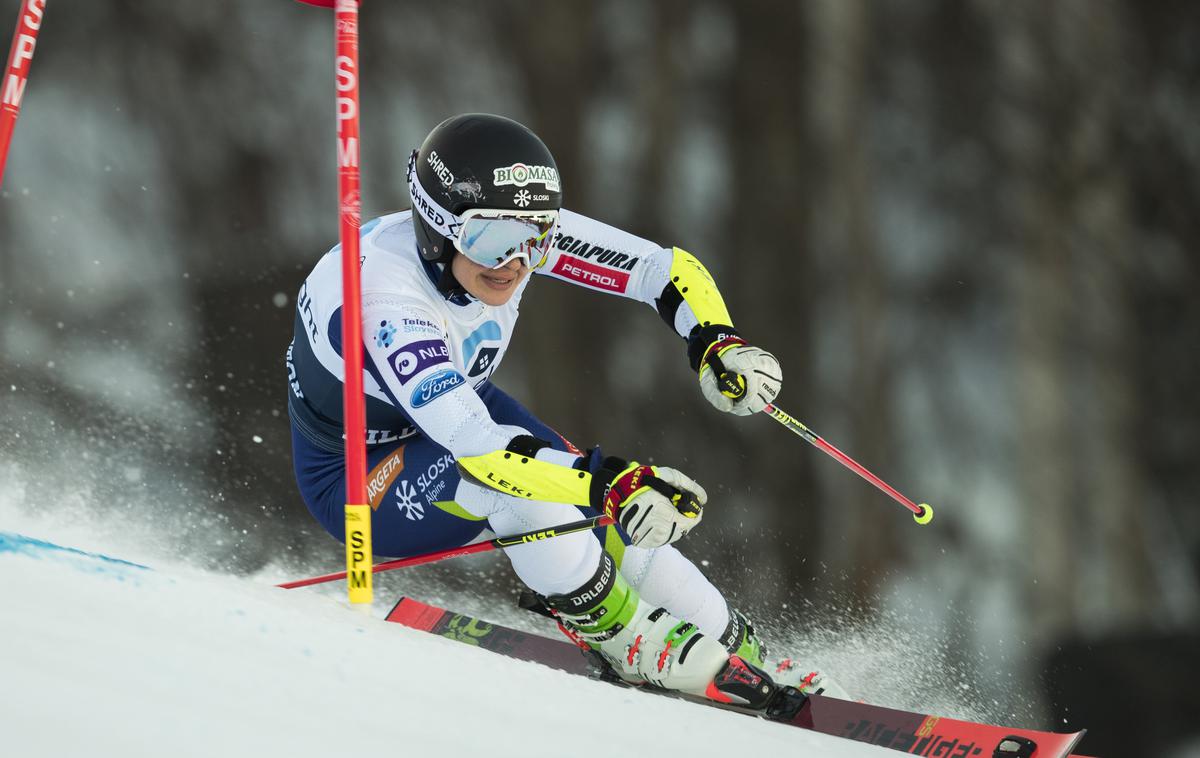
{"x":789,"y":672}
{"x":641,"y":643}
{"x":741,"y":639}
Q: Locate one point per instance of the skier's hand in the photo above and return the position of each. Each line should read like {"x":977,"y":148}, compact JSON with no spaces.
{"x":655,"y":505}
{"x":734,"y":376}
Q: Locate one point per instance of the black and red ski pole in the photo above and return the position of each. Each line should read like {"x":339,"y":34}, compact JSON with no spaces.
{"x":535,"y":535}
{"x":922,"y":513}
{"x":733,"y":386}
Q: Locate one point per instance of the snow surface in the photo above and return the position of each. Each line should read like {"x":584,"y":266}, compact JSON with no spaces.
{"x":107,"y":658}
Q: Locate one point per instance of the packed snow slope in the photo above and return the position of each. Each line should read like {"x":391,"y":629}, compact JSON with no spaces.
{"x":104,"y":657}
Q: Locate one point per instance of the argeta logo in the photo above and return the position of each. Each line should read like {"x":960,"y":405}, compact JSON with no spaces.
{"x":434,"y":386}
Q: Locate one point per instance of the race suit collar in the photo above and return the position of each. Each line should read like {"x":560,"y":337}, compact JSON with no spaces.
{"x":435,"y":271}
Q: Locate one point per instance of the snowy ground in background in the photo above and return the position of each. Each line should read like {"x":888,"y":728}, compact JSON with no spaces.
{"x":108,"y":659}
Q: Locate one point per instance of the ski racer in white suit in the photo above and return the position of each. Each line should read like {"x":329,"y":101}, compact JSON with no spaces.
{"x":442,"y":285}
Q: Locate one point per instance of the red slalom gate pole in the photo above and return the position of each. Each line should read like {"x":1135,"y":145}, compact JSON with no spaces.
{"x":454,"y":552}
{"x":358,"y":511}
{"x":16,"y":73}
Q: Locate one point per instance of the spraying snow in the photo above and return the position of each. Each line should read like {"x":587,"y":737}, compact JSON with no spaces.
{"x":122,"y":660}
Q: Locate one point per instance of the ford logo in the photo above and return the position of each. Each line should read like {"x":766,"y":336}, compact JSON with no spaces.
{"x":432,"y":387}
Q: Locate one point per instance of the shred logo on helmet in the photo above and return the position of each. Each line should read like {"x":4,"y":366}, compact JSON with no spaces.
{"x":475,"y":161}
{"x":439,"y":169}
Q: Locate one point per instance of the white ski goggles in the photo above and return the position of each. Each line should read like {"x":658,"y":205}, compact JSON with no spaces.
{"x":487,"y":236}
{"x":493,"y":238}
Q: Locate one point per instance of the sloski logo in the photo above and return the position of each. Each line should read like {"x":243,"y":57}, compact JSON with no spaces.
{"x":430,"y":482}
{"x":415,"y":357}
{"x":435,"y":386}
{"x":519,"y":175}
{"x":407,"y":502}
{"x":521,"y":198}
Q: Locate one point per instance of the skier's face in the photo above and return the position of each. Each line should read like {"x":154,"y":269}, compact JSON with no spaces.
{"x":493,"y":286}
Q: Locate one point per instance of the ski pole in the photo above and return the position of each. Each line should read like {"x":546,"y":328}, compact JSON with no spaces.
{"x":453,"y":552}
{"x":16,"y":73}
{"x":733,"y":386}
{"x":922,"y":513}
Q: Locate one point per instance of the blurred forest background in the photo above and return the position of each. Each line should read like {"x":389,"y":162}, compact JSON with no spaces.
{"x":967,"y":228}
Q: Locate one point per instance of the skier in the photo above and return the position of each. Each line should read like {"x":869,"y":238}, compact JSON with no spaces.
{"x":450,"y":454}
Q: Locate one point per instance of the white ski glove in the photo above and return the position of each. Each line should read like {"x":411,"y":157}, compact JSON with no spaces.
{"x":655,"y":505}
{"x":735,"y":377}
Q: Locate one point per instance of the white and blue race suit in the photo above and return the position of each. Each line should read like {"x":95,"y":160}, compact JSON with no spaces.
{"x":428,"y":363}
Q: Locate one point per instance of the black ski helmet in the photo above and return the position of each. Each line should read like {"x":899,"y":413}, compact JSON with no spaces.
{"x":476,"y":160}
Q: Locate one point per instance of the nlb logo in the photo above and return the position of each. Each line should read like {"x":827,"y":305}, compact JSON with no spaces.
{"x":433,"y":387}
{"x":415,"y":357}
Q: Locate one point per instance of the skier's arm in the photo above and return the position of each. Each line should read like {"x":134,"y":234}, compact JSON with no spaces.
{"x":413,"y":368}
{"x":597,"y":256}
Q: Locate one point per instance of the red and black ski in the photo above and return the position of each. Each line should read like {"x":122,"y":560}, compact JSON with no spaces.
{"x":912,"y":733}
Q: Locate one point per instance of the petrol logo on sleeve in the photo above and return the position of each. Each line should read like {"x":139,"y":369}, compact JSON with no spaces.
{"x":433,"y":387}
{"x":415,"y":357}
{"x":600,"y":277}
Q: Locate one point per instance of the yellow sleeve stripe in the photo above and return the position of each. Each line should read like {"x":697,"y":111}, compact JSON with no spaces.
{"x":524,"y":477}
{"x":698,"y":289}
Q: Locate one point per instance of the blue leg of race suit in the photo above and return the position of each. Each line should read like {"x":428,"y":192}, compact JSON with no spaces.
{"x":411,"y":486}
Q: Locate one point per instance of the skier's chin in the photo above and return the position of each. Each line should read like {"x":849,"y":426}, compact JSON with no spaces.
{"x":492,"y":286}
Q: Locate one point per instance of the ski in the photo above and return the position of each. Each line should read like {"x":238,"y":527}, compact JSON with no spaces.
{"x":912,"y":733}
